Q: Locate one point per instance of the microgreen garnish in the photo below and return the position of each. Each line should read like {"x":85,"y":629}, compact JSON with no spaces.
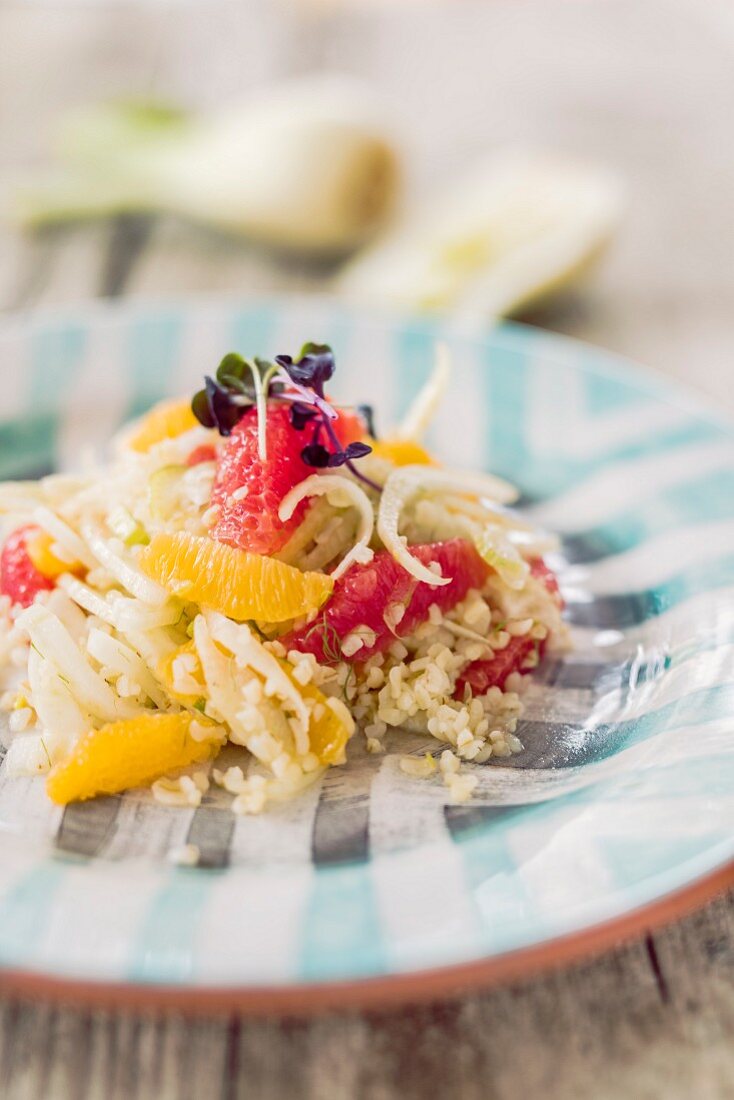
{"x":331,"y":646}
{"x":314,"y":369}
{"x":257,"y":631}
{"x":240,"y":384}
{"x":308,"y":376}
{"x":214,"y":408}
{"x":346,"y":686}
{"x":330,"y":640}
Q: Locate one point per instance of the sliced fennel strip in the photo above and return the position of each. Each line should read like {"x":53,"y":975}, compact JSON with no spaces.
{"x":59,"y":530}
{"x":424,"y":407}
{"x":119,"y":657}
{"x":121,"y":565}
{"x":240,"y":641}
{"x":405,"y":483}
{"x":53,"y":641}
{"x":58,"y":711}
{"x":340,"y":492}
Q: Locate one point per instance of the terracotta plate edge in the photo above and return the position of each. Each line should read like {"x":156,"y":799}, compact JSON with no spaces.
{"x":370,"y":993}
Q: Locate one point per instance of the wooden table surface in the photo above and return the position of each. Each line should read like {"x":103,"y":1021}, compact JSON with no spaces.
{"x":646,"y":86}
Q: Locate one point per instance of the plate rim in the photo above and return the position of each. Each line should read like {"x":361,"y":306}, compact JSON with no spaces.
{"x":615,"y":364}
{"x":305,"y":1000}
{"x":425,"y":984}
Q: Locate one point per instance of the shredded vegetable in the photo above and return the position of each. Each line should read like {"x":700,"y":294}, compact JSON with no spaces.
{"x":405,"y":483}
{"x":424,"y":408}
{"x":340,"y":492}
{"x":274,"y":580}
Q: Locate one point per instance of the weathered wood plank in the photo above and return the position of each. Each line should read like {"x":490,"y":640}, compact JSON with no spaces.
{"x":56,"y":267}
{"x":605,"y":1028}
{"x":186,"y":259}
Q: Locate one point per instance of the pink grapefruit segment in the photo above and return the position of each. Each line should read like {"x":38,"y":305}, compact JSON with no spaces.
{"x":482,"y":675}
{"x":247,"y":491}
{"x":517,"y":656}
{"x":368,"y":598}
{"x":19,"y":577}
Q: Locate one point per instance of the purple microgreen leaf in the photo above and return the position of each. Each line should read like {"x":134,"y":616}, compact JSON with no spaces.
{"x":319,"y":359}
{"x":315,"y":454}
{"x":301,"y":414}
{"x":224,"y":410}
{"x":357,"y":450}
{"x":347,"y":461}
{"x":307,"y":396}
{"x":314,"y":368}
{"x":241,"y":384}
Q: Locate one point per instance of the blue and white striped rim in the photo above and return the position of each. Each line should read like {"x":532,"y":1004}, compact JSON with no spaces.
{"x":623,"y":793}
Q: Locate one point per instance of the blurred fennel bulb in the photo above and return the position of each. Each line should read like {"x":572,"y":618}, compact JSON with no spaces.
{"x":510,"y":231}
{"x":308,"y":166}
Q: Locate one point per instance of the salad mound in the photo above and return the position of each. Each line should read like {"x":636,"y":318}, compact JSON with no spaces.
{"x":258,"y":568}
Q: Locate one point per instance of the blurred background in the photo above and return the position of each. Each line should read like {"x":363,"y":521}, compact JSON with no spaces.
{"x":606,"y":122}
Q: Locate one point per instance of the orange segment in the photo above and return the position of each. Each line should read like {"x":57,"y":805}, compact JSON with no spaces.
{"x":167,"y":674}
{"x":46,"y":562}
{"x":164,"y":421}
{"x":402,"y":452}
{"x":126,"y":754}
{"x":236,"y":583}
{"x":327,"y":733}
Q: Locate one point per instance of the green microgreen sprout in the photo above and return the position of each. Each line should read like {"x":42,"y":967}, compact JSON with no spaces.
{"x":46,"y":752}
{"x":257,"y":630}
{"x":240,"y":385}
{"x":351,"y":675}
{"x":330,"y":642}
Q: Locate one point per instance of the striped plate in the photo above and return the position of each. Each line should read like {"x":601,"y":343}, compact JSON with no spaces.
{"x":371,"y":886}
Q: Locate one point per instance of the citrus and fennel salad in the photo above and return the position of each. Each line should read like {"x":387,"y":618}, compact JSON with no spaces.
{"x":257,"y":567}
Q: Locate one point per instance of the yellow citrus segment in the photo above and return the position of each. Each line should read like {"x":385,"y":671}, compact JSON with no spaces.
{"x":126,"y":754}
{"x":402,"y":452}
{"x":327,"y":732}
{"x":40,"y":552}
{"x":236,"y":583}
{"x":164,"y":421}
{"x":175,"y":674}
